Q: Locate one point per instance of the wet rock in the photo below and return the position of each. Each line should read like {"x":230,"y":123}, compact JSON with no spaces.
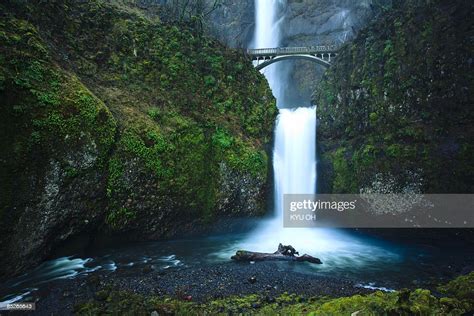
{"x":147,"y":269}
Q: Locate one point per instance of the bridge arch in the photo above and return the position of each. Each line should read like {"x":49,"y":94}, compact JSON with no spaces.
{"x":312,"y":58}
{"x":321,"y":54}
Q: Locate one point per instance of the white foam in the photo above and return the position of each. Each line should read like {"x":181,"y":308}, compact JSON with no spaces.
{"x":371,"y":286}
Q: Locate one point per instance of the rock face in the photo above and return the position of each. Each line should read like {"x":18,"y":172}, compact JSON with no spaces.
{"x":233,"y":23}
{"x":111,"y":122}
{"x":317,"y":22}
{"x":395,"y":110}
{"x":240,"y":194}
{"x":308,"y":23}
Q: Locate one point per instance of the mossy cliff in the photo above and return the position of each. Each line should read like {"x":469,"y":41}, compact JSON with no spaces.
{"x":115,"y":123}
{"x":454,"y":298}
{"x":395,"y":109}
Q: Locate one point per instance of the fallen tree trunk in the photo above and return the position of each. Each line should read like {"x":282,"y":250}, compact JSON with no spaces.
{"x":284,"y":253}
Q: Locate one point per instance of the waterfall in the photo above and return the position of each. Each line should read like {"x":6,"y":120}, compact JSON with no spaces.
{"x":294,"y":157}
{"x":294,"y":165}
{"x":267,"y":35}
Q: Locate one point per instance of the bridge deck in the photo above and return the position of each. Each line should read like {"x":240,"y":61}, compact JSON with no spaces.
{"x":265,"y":52}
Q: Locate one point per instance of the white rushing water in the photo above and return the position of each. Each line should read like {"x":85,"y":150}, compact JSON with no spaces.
{"x":294,"y":156}
{"x":294,"y":164}
{"x":268,"y":35}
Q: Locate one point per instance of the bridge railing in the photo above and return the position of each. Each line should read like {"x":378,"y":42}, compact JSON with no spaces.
{"x":292,"y":50}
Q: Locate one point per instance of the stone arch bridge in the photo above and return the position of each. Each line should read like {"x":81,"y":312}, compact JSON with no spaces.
{"x":322,"y":54}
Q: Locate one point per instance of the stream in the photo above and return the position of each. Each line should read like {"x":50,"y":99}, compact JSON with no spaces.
{"x":367,"y":261}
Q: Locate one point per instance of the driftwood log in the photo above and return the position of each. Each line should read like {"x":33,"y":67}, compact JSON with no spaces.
{"x":284,"y":253}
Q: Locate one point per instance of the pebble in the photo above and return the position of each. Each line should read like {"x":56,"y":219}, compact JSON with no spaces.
{"x":219,"y":280}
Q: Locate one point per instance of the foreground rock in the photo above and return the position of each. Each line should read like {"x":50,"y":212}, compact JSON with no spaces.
{"x":284,"y":253}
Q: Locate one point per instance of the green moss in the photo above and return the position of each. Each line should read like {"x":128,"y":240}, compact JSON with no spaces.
{"x":394,"y":150}
{"x":343,"y":180}
{"x":47,"y":113}
{"x":154,"y":113}
{"x":373,"y":117}
{"x":404,"y":302}
{"x":120,"y":218}
{"x":461,"y":288}
{"x":116,"y":170}
{"x":222,"y":140}
{"x":395,"y":99}
{"x":248,"y":159}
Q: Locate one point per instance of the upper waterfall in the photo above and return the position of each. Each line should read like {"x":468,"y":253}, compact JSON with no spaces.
{"x":267,"y":34}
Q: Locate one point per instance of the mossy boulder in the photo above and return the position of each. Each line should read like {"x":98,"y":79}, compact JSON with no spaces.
{"x":117,"y":123}
{"x":55,"y":137}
